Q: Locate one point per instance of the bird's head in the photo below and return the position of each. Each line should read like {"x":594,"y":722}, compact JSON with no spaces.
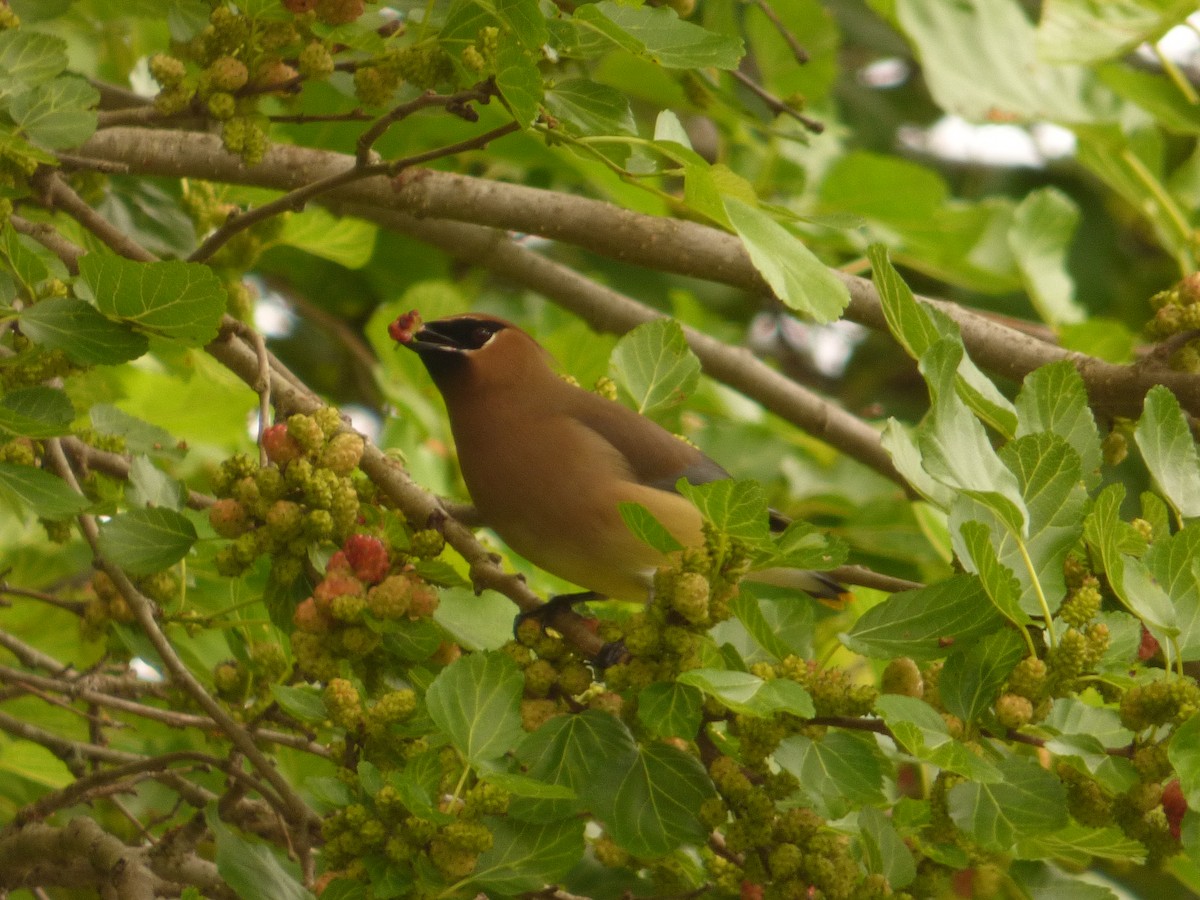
{"x":467,"y":347}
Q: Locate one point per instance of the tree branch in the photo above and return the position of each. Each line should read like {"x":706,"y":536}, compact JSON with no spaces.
{"x":671,"y":245}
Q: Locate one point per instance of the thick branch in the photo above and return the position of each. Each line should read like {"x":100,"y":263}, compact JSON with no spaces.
{"x":671,"y":245}
{"x":287,"y":168}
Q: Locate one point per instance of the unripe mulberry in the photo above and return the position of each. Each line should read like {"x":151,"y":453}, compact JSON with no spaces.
{"x":690,"y":597}
{"x":167,"y":70}
{"x":390,"y":598}
{"x":311,"y":618}
{"x":343,"y":703}
{"x":1014,"y":711}
{"x":228,"y":74}
{"x":342,"y":453}
{"x":228,"y":518}
{"x":315,"y":61}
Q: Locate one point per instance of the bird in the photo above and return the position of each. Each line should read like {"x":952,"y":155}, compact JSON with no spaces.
{"x":548,"y":463}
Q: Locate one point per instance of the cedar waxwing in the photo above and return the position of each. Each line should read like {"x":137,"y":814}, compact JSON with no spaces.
{"x":547,"y":462}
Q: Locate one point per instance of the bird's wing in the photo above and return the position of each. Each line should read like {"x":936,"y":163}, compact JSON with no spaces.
{"x":656,"y":458}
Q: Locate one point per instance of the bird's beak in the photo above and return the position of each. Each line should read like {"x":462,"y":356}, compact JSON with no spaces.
{"x":422,"y":337}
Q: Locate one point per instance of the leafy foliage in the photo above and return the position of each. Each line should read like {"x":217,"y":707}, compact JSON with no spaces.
{"x":250,"y":662}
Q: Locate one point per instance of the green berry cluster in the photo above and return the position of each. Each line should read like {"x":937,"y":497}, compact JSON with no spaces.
{"x":557,"y":679}
{"x":833,"y":690}
{"x":423,"y":65}
{"x":1176,"y":309}
{"x":1169,"y":700}
{"x":304,"y":496}
{"x":450,"y":838}
{"x":667,"y":637}
{"x":245,"y":684}
{"x":237,"y":59}
{"x":785,"y":853}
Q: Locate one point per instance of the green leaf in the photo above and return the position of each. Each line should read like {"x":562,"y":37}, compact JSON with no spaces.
{"x":44,"y":494}
{"x":954,"y":445}
{"x":981,"y":557}
{"x":803,"y":546}
{"x":980,"y":61}
{"x":521,"y":786}
{"x":139,"y":436}
{"x":64,"y":323}
{"x":345,"y":240}
{"x":304,"y":703}
{"x":178,"y":300}
{"x":1085,"y":31}
{"x":918,"y":326}
{"x":36,"y":412}
{"x":1163,"y":436}
{"x":750,"y":695}
{"x":1029,"y":802}
{"x":668,"y":710}
{"x":884,"y":850}
{"x":901,"y":445}
{"x":27,"y":58}
{"x":1172,"y":562}
{"x":1102,"y":337}
{"x":921,"y":731}
{"x":927,"y":622}
{"x":151,"y":486}
{"x":525,"y":857}
{"x":654,"y":368}
{"x":646,"y":528}
{"x":1052,"y":493}
{"x":144,"y":541}
{"x":57,"y":114}
{"x":654,"y":802}
{"x":782,"y":627}
{"x":573,"y":751}
{"x":1118,"y":544}
{"x":971,"y":679}
{"x":28,"y":260}
{"x":1184,"y":754}
{"x":735,"y":508}
{"x":794,"y":273}
{"x":838,"y":772}
{"x":1131,"y":164}
{"x":927,"y":229}
{"x":660,"y":36}
{"x":1043,"y":226}
{"x":476,"y":701}
{"x":1053,"y":398}
{"x":252,"y":869}
{"x":1042,"y":881}
{"x":594,"y":108}
{"x":1079,"y":845}
{"x":520,"y":82}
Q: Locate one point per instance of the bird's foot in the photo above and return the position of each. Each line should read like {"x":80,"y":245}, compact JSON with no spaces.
{"x":610,"y":654}
{"x":544,"y":613}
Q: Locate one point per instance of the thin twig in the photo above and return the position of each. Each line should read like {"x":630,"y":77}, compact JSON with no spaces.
{"x":798,"y":51}
{"x":777,"y":106}
{"x":62,"y":196}
{"x":475,"y":143}
{"x":293,"y":201}
{"x":143,"y":610}
{"x":455,"y":103}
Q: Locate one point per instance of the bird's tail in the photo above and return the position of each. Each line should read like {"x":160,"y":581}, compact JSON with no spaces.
{"x":817,"y":585}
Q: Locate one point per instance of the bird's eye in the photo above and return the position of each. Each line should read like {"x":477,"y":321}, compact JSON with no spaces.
{"x":481,"y":335}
